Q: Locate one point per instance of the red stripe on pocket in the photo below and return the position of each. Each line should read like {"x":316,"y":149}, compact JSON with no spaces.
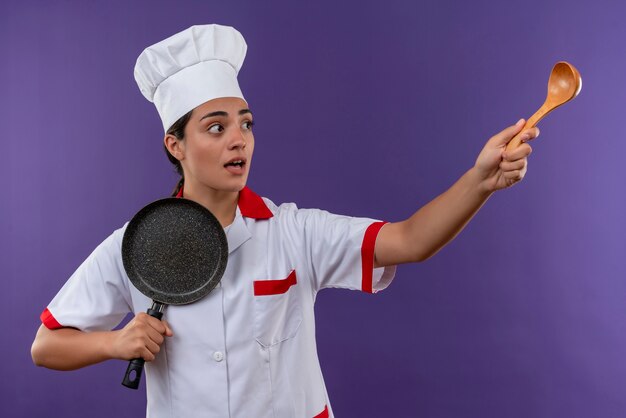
{"x":323,"y":414}
{"x":274,"y":287}
{"x":49,"y":321}
{"x":367,"y":254}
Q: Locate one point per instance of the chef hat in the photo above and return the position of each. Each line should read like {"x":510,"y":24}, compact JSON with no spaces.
{"x":190,"y":68}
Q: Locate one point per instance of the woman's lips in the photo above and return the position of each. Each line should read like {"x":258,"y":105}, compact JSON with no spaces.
{"x":235,"y":166}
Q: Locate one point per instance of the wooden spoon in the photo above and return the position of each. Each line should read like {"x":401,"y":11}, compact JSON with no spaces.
{"x":564,"y":84}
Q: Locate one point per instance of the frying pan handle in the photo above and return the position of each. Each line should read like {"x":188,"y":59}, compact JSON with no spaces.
{"x":133,"y":373}
{"x":135,"y":366}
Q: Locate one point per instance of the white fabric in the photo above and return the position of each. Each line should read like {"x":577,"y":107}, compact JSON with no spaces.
{"x":267,"y":364}
{"x":189,"y":68}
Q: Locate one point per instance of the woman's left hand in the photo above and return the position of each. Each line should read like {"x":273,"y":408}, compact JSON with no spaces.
{"x":499,"y":169}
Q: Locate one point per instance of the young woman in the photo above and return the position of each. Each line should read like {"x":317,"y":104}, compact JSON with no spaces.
{"x":247,"y":349}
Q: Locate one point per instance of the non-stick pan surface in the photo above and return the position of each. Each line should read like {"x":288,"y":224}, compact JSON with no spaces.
{"x":174,"y":251}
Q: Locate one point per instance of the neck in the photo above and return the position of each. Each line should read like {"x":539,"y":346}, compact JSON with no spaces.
{"x":222,"y":204}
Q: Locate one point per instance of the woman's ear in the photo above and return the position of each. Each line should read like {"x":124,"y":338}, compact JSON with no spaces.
{"x":175,"y":146}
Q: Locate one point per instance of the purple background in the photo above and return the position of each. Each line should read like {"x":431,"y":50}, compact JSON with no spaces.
{"x":362,"y":108}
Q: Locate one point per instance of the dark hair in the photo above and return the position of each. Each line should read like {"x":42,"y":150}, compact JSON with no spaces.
{"x":178,"y":130}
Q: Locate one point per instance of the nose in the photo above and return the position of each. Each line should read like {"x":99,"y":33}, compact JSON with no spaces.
{"x":237,"y":140}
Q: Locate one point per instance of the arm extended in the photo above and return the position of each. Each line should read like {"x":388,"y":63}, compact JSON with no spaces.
{"x":438,"y":222}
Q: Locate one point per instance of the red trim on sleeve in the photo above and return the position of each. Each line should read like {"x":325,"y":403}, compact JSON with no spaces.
{"x":274,"y":287}
{"x":49,"y":321}
{"x":367,"y":254}
{"x":323,"y":414}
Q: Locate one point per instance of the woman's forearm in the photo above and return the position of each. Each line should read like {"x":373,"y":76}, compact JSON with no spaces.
{"x":69,"y":348}
{"x":434,"y":225}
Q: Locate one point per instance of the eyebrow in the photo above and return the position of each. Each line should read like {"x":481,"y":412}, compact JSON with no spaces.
{"x":222,"y":113}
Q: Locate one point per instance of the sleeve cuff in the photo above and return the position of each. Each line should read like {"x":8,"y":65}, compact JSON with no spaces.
{"x":49,"y":320}
{"x":379,"y":278}
{"x":382,"y":277}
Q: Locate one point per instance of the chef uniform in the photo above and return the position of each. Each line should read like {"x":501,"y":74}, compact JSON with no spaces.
{"x":248,"y":348}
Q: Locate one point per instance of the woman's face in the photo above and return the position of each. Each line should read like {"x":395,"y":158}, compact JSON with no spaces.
{"x":218,"y":145}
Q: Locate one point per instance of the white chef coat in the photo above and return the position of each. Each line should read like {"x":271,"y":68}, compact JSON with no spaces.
{"x":248,"y":348}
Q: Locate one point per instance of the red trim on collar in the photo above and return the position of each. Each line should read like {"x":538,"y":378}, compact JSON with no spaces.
{"x":250,"y":204}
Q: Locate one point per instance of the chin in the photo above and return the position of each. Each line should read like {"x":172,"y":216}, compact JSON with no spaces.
{"x":228,"y":184}
{"x":235,"y":186}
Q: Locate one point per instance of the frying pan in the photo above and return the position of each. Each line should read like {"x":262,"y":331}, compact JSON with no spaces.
{"x":175,"y":252}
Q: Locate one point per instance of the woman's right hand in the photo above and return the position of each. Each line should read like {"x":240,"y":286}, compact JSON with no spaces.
{"x":140,"y":338}
{"x":70,"y":348}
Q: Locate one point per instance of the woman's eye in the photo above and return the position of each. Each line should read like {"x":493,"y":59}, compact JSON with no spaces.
{"x":216,"y":129}
{"x":247,"y":125}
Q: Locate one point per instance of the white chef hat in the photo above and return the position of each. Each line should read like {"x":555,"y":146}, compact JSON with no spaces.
{"x":192,"y":67}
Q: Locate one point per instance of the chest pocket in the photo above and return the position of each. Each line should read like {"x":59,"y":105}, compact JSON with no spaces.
{"x":277,"y":310}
